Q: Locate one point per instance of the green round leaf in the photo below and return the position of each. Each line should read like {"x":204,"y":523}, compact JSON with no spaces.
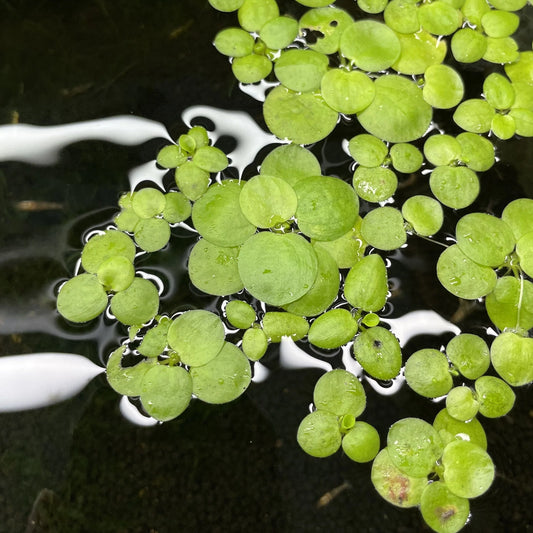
{"x":166,"y":391}
{"x":339,"y":392}
{"x":468,"y":45}
{"x":402,"y":16}
{"x":523,"y":119}
{"x":414,"y":446}
{"x":126,"y":380}
{"x":512,"y":357}
{"x":102,"y":247}
{"x":439,"y":17}
{"x":374,"y":184}
{"x":191,"y":180}
{"x":155,"y":339}
{"x":398,"y":112}
{"x":301,"y":70}
{"x":443,"y":87}
{"x":267,"y":201}
{"x":152,"y":234}
{"x":81,"y":298}
{"x":509,"y":5}
{"x":277,"y":268}
{"x":301,"y":118}
{"x":383,"y":228}
{"x":217,"y":215}
{"x":254,"y":14}
{"x":177,"y":207}
{"x":137,"y":304}
{"x":378,"y":351}
{"x":469,"y":354}
{"x":278,"y":33}
{"x":254,"y":343}
{"x":290,"y":162}
{"x":148,"y":203}
{"x":372,"y":6}
{"x":324,"y":290}
{"x":418,"y":51}
{"x":498,"y":91}
{"x":347,"y":92}
{"x":424,"y":214}
{"x":116,"y":273}
{"x":484,"y":238}
{"x":406,"y":158}
{"x":442,"y":510}
{"x":224,"y":378}
{"x":455,"y":187}
{"x":442,"y":149}
{"x":240,"y":314}
{"x":427,"y":372}
{"x":327,"y":207}
{"x":318,"y":434}
{"x":501,"y":50}
{"x":251,"y":68}
{"x":126,"y":220}
{"x":366,"y":285}
{"x":510,"y":304}
{"x":368,"y":150}
{"x":477,"y":152}
{"x":468,"y":469}
{"x":333,"y":329}
{"x":462,"y":276}
{"x":451,"y":429}
{"x":329,"y":24}
{"x":210,"y":159}
{"x":518,"y":215}
{"x":347,"y":249}
{"x":393,"y":485}
{"x":282,"y":324}
{"x":474,"y":115}
{"x":524,"y":250}
{"x":495,"y":397}
{"x":371,"y":45}
{"x":461,"y":403}
{"x":361,"y":443}
{"x":503,"y":126}
{"x":226,"y":5}
{"x":234,"y":42}
{"x":197,"y":336}
{"x":214,"y":269}
{"x":171,"y":156}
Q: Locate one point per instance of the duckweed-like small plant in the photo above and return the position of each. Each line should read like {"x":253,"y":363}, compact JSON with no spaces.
{"x":299,"y":254}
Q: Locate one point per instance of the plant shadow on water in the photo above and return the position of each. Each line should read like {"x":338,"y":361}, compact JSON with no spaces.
{"x":80,"y":465}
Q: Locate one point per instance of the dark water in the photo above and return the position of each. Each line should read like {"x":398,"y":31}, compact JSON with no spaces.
{"x":79,"y":464}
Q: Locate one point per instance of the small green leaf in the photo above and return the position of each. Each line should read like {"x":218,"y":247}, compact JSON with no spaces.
{"x":462,"y":276}
{"x":427,"y":373}
{"x":383,"y":228}
{"x":197,"y":337}
{"x":166,"y":391}
{"x":366,"y":284}
{"x":333,"y":329}
{"x":137,"y":304}
{"x":240,"y":314}
{"x":282,"y":324}
{"x":81,"y":298}
{"x":319,"y":434}
{"x":378,"y":351}
{"x":224,"y":378}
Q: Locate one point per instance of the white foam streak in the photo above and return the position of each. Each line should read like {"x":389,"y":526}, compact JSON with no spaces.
{"x":37,"y":380}
{"x":40,"y":145}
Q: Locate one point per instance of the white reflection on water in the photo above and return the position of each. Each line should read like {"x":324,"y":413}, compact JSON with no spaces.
{"x":249,"y":136}
{"x":41,"y":379}
{"x":421,"y":322}
{"x":133,"y":415}
{"x":292,"y":357}
{"x":40,"y":145}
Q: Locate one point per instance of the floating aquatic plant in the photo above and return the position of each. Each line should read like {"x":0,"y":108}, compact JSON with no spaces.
{"x":303,"y":255}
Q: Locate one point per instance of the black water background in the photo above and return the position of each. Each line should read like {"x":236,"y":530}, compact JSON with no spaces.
{"x":228,"y":468}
